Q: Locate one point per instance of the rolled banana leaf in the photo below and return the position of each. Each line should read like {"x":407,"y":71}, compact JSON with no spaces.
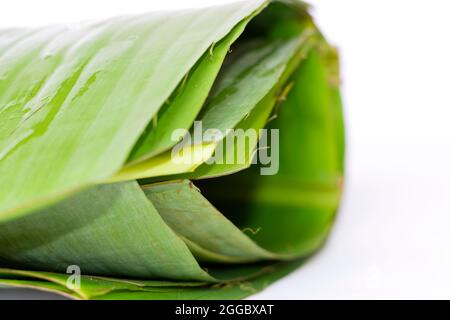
{"x":91,"y":179}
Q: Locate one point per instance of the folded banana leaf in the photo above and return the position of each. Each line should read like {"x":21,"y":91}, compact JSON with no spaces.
{"x":89,"y":176}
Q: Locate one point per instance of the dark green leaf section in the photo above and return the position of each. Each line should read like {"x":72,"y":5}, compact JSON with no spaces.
{"x":293,"y":210}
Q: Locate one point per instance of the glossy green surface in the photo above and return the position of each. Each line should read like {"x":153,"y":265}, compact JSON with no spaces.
{"x":86,"y":112}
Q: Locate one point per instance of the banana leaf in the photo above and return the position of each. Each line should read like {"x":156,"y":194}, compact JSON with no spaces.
{"x":87,"y":167}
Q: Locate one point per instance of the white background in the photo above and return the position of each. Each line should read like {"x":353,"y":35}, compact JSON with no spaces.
{"x":392,"y":237}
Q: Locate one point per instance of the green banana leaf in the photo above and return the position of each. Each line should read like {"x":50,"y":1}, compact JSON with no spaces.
{"x":87,"y":166}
